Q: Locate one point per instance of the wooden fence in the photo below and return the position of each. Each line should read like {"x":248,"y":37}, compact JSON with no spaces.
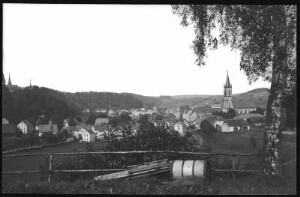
{"x":50,"y":170}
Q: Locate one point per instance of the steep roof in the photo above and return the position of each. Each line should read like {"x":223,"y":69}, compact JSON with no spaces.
{"x":227,"y":84}
{"x":4,"y":121}
{"x":9,"y":81}
{"x":100,"y":121}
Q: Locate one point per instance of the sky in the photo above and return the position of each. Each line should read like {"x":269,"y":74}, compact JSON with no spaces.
{"x":141,"y":49}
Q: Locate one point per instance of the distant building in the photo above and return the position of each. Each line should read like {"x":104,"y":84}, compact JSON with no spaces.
{"x":87,"y":135}
{"x":235,"y":125}
{"x":9,"y":130}
{"x":10,"y":86}
{"x":26,"y":127}
{"x":5,"y":121}
{"x":48,"y":128}
{"x":227,"y":101}
{"x":101,"y":124}
{"x":181,"y":128}
{"x":239,"y":106}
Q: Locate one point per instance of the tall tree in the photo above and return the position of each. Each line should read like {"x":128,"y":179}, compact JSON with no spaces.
{"x":265,"y":35}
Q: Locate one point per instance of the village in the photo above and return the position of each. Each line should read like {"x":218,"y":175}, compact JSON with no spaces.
{"x":181,"y":120}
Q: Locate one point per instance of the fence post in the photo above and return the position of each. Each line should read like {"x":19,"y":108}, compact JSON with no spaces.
{"x":50,"y":167}
{"x":233,"y":162}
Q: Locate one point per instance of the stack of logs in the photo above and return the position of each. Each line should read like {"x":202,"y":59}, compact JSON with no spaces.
{"x":135,"y":171}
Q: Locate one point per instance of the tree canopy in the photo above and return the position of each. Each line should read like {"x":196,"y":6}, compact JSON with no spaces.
{"x":254,"y":30}
{"x":265,"y":36}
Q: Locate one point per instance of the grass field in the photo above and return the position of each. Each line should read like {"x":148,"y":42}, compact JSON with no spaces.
{"x":220,"y":142}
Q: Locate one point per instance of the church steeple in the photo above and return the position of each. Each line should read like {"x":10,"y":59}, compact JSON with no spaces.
{"x":227,"y":85}
{"x":227,"y":101}
{"x":9,"y":81}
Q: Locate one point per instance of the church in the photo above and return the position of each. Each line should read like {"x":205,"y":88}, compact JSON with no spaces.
{"x":228,"y":102}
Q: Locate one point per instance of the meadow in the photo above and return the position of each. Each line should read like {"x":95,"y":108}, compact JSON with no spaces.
{"x":219,"y":142}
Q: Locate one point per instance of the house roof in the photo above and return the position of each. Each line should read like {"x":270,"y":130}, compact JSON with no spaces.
{"x":4,"y":121}
{"x":100,"y":121}
{"x":212,"y":118}
{"x":27,"y":123}
{"x":246,"y":116}
{"x":182,"y":123}
{"x":80,"y":126}
{"x":9,"y":128}
{"x":236,"y":123}
{"x":245,"y":103}
{"x":90,"y":132}
{"x":48,"y":128}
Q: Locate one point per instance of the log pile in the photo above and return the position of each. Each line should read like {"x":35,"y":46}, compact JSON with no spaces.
{"x":135,"y":171}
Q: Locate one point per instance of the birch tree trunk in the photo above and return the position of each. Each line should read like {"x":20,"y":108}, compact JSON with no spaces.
{"x":276,"y":114}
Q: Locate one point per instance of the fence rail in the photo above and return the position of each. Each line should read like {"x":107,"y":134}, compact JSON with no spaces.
{"x":50,"y":171}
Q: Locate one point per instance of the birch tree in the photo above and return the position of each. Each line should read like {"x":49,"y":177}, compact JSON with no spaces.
{"x":265,"y":36}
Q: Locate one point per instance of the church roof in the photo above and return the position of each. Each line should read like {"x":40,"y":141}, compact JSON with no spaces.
{"x":9,"y":81}
{"x":227,"y":84}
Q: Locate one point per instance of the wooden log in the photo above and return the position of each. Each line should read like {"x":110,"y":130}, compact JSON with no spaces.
{"x":129,"y":173}
{"x":116,"y":175}
{"x":151,"y":162}
{"x":148,"y":167}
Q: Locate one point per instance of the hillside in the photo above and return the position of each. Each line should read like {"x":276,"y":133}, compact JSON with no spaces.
{"x":256,"y":97}
{"x":26,"y":102}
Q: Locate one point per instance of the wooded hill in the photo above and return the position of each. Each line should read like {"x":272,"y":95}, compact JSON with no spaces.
{"x":31,"y":102}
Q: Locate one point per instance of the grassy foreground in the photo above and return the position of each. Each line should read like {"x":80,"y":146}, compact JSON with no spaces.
{"x":152,"y":185}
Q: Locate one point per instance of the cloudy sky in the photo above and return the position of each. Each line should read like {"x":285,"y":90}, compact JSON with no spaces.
{"x":141,"y":49}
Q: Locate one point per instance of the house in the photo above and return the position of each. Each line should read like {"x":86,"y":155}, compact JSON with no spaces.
{"x":26,"y":127}
{"x":87,"y":135}
{"x":48,"y":128}
{"x":65,"y":125}
{"x":218,"y":124}
{"x":181,"y":128}
{"x":235,"y":125}
{"x":9,"y":130}
{"x":5,"y":121}
{"x":101,"y":124}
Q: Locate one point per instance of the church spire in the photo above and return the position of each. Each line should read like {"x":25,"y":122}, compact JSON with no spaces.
{"x":227,"y":81}
{"x":9,"y":81}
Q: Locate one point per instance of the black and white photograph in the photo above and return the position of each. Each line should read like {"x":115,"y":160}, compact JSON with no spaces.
{"x":149,"y":99}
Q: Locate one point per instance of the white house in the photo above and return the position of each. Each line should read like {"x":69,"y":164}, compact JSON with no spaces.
{"x":180,"y":128}
{"x":218,"y":124}
{"x":235,"y":125}
{"x":25,"y":126}
{"x":87,"y":135}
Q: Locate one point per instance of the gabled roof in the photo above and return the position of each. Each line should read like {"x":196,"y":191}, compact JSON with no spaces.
{"x":246,"y":116}
{"x":4,"y":121}
{"x":236,"y":123}
{"x":80,"y":126}
{"x":48,"y":128}
{"x":27,"y":123}
{"x":100,"y":121}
